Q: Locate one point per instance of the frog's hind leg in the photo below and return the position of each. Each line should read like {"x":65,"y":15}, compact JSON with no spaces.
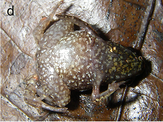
{"x":37,"y":102}
{"x":43,"y":24}
{"x":78,"y":22}
{"x":30,"y":97}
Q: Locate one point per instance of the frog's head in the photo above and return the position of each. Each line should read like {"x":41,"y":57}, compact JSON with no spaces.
{"x":133,"y":65}
{"x":126,"y":65}
{"x":136,"y":65}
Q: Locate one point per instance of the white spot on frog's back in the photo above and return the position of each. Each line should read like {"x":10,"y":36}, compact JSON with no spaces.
{"x":64,"y":57}
{"x":51,"y":70}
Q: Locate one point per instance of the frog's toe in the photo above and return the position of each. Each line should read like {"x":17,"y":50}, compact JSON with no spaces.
{"x":53,"y":108}
{"x":37,"y":102}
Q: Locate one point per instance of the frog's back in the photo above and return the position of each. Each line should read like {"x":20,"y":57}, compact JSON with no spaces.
{"x":73,"y":60}
{"x":79,"y":57}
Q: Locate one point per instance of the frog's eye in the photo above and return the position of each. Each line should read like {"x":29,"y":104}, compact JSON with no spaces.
{"x":140,"y":58}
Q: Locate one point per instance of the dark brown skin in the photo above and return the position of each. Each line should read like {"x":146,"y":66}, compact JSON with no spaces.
{"x":68,"y":60}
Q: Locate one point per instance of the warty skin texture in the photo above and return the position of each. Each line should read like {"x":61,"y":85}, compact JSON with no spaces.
{"x":69,"y":59}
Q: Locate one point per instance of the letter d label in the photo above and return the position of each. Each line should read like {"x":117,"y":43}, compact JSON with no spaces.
{"x":10,"y":11}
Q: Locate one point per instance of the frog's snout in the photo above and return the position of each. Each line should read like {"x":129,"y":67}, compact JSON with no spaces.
{"x":141,"y":63}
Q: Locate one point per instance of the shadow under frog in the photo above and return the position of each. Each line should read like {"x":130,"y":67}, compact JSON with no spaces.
{"x":69,"y":59}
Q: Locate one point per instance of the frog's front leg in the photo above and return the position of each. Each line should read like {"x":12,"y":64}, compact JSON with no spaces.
{"x":97,"y":96}
{"x":31,"y":97}
{"x":114,"y":86}
{"x":43,"y":24}
{"x":96,"y":87}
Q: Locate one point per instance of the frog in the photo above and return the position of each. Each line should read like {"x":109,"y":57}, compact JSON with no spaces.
{"x":75,"y":59}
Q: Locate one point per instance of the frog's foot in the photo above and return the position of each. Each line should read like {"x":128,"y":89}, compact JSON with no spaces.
{"x":37,"y":102}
